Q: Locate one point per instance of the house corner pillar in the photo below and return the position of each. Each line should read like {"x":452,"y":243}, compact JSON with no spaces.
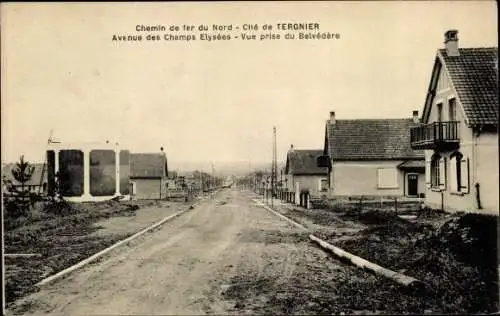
{"x":117,"y":172}
{"x":86,"y":173}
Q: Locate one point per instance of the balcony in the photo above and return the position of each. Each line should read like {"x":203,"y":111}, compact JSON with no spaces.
{"x":436,"y":135}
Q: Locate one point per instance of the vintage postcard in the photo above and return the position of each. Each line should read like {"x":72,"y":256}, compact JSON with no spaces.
{"x":237,"y":157}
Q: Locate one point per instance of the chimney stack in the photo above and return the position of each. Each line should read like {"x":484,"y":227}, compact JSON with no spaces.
{"x":332,"y":117}
{"x":451,"y":43}
{"x":415,"y":117}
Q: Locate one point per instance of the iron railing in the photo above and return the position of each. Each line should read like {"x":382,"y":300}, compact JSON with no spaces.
{"x":435,"y":133}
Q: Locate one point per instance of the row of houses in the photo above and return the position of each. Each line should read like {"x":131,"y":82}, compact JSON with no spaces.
{"x":448,"y":155}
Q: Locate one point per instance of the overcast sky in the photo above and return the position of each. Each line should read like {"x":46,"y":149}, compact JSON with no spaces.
{"x":217,"y":101}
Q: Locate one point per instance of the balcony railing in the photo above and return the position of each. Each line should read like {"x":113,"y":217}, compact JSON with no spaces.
{"x":435,"y":135}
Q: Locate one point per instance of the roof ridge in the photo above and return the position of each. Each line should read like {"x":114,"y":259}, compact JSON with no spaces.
{"x":472,"y":48}
{"x":375,"y":119}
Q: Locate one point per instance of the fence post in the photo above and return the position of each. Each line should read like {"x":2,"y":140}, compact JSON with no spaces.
{"x":396,"y":204}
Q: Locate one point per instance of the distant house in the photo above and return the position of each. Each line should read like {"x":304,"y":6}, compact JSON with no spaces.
{"x":459,"y":129}
{"x":373,"y":158}
{"x":302,"y":174}
{"x":35,"y":184}
{"x":148,"y":175}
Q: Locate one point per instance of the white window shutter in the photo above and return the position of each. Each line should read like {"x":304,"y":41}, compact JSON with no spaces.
{"x":453,"y":174}
{"x":464,"y":173}
{"x":428,"y":174}
{"x":442,"y":173}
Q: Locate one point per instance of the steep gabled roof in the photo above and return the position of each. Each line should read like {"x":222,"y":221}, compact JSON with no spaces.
{"x":474,"y":76}
{"x":35,"y":177}
{"x":148,"y":165}
{"x":303,"y":162}
{"x":370,"y":139}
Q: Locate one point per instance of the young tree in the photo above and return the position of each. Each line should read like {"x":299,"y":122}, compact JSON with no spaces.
{"x":22,"y":172}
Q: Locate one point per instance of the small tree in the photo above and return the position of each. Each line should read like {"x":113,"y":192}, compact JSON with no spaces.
{"x":22,"y":172}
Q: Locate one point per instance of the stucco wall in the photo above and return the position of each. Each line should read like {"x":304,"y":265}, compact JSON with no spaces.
{"x":446,"y":199}
{"x":309,"y":182}
{"x":487,"y":171}
{"x":354,"y":178}
{"x":305,"y":182}
{"x":148,"y":189}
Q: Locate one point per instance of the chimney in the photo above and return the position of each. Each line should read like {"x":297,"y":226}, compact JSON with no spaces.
{"x":415,"y":117}
{"x":332,"y":117}
{"x":451,"y":43}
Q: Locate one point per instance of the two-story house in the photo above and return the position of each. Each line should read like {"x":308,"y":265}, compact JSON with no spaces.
{"x":459,"y":129}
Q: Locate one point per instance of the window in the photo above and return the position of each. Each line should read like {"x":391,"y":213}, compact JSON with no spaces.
{"x":437,"y":172}
{"x":452,"y":109}
{"x":323,"y":185}
{"x":439,"y":112}
{"x":387,"y":178}
{"x":459,"y":173}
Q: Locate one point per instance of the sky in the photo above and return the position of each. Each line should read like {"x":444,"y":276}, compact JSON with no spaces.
{"x":217,"y":102}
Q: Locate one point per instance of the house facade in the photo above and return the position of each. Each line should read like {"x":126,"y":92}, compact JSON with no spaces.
{"x":36,"y":184}
{"x":301,"y":173}
{"x":148,"y":175}
{"x":373,"y":158}
{"x":459,"y":129}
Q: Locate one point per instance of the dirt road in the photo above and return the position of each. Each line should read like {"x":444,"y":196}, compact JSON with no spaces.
{"x":228,"y":255}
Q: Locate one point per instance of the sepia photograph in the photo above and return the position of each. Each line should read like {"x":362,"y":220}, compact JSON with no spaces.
{"x":250,"y":158}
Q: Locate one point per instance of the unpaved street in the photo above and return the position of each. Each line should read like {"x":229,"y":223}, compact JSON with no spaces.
{"x":227,"y":255}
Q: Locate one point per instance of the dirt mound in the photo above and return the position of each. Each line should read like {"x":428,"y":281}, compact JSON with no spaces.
{"x":457,"y":261}
{"x":373,"y":217}
{"x":320,"y":217}
{"x":472,"y":238}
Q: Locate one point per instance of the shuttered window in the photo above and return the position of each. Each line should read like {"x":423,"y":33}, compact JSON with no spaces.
{"x":438,"y":172}
{"x":387,"y":178}
{"x":454,"y":174}
{"x":442,"y":173}
{"x":459,"y":173}
{"x":435,"y":173}
{"x":323,"y":185}
{"x":464,"y":175}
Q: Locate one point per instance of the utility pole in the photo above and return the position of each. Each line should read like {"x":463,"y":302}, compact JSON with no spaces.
{"x":274,"y":169}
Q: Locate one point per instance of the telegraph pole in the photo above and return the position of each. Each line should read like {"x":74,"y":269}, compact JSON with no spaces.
{"x":274,"y":171}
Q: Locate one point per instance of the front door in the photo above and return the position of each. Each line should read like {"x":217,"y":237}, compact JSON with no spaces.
{"x":412,"y":185}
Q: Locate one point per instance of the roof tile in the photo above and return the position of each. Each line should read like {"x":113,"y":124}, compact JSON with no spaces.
{"x":371,"y":139}
{"x":303,"y":162}
{"x":475,"y":77}
{"x":149,"y":165}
